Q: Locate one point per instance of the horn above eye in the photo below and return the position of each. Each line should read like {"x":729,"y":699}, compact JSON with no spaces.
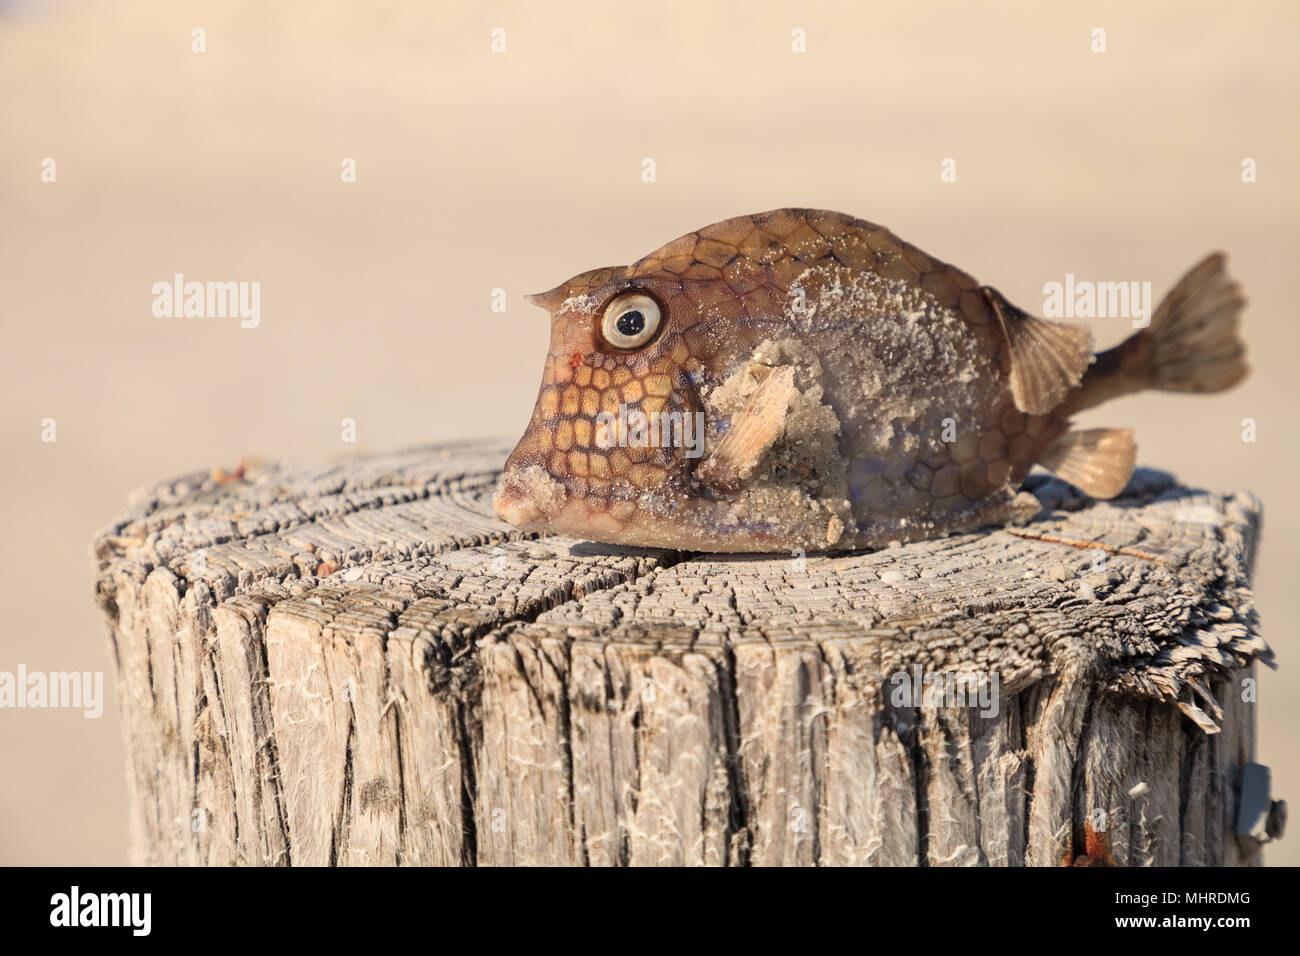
{"x":630,"y":321}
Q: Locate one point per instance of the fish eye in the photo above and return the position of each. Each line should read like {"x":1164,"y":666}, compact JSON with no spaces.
{"x":630,"y":321}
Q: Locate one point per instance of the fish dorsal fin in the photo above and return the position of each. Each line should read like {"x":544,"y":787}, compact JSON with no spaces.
{"x":1047,"y":358}
{"x":1097,"y":461}
{"x":755,"y":430}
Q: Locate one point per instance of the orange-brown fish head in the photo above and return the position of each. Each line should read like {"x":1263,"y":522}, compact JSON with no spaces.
{"x":618,"y":422}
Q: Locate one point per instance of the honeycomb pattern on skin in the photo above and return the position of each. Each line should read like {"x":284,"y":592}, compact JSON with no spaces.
{"x":723,"y":289}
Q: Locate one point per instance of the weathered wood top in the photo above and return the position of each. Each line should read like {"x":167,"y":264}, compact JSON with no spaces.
{"x":401,"y":553}
{"x":418,"y":525}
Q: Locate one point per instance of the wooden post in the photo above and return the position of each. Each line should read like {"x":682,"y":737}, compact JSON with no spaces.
{"x":356,"y":663}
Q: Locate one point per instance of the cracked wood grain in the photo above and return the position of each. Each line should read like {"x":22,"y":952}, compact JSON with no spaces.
{"x":356,"y":663}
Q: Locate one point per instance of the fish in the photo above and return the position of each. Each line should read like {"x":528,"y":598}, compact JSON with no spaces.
{"x":802,"y":381}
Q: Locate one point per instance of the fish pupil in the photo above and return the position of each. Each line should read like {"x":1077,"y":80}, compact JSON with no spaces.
{"x":631,"y":323}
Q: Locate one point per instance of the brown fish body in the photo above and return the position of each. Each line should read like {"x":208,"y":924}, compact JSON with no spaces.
{"x":804,"y":380}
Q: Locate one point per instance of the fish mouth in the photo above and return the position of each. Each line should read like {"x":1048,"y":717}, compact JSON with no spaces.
{"x":529,"y":498}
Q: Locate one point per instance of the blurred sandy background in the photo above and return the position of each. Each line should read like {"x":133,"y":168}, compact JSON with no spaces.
{"x":478,"y":170}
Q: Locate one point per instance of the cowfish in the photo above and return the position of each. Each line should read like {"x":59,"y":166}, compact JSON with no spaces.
{"x":801,"y":380}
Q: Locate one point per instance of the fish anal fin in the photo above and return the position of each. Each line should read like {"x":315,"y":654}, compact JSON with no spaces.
{"x":753,"y":432}
{"x":1097,"y":461}
{"x":1047,"y":359}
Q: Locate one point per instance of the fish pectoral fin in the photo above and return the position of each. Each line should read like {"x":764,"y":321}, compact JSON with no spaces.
{"x":1048,"y":359}
{"x":753,"y":432}
{"x":1097,"y":461}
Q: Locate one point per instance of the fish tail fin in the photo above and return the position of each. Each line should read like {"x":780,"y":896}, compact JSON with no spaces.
{"x":1191,"y":345}
{"x":1097,"y":461}
{"x":1194,"y":342}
